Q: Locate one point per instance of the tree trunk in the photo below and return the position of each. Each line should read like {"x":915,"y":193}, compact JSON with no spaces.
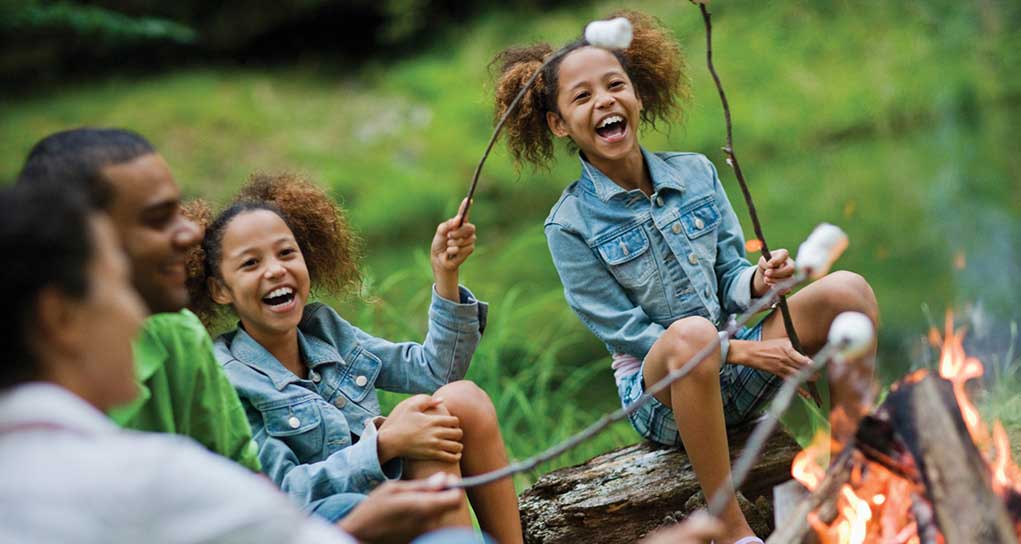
{"x":622,"y":495}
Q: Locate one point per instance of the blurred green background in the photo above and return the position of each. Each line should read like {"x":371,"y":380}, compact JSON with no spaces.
{"x":894,"y":120}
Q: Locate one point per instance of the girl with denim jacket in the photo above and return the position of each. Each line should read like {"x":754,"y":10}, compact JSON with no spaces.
{"x":308,"y":378}
{"x":650,"y":251}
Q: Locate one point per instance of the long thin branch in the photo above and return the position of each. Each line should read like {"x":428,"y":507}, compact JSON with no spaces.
{"x":619,"y":414}
{"x":788,"y":323}
{"x":499,"y":126}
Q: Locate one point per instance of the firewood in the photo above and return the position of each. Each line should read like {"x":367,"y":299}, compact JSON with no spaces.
{"x":956,"y":476}
{"x":822,"y":501}
{"x":622,"y":495}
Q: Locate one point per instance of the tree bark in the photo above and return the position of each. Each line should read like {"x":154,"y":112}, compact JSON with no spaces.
{"x":622,"y":495}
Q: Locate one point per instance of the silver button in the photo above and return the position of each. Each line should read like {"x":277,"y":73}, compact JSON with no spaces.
{"x":659,"y":200}
{"x":315,"y":376}
{"x":708,"y":293}
{"x":294,"y":422}
{"x":360,"y":381}
{"x":623,"y":247}
{"x":340,"y":402}
{"x":699,"y":223}
{"x":692,"y":258}
{"x":676,"y":228}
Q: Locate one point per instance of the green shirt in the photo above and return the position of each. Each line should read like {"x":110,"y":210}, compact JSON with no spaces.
{"x":183,"y":390}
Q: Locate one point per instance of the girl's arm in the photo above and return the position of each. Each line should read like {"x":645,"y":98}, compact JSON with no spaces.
{"x":594,"y":294}
{"x":353,"y":469}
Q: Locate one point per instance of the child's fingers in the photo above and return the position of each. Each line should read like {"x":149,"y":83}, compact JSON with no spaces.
{"x":450,"y":446}
{"x":464,"y":231}
{"x":461,"y":208}
{"x":445,"y":421}
{"x":449,"y":433}
{"x":777,"y":258}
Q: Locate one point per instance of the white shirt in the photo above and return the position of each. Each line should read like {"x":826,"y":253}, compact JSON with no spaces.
{"x":67,"y":474}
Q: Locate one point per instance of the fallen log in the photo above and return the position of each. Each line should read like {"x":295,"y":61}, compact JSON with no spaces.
{"x":622,"y":495}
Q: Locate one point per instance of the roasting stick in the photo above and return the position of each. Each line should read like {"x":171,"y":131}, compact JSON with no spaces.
{"x":815,"y":256}
{"x":850,"y":336}
{"x":785,"y":312}
{"x":612,"y":34}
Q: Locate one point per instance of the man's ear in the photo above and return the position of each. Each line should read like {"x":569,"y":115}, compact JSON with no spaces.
{"x":218,"y":291}
{"x":556,"y":124}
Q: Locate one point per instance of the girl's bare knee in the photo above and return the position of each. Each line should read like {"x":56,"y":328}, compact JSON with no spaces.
{"x":467,"y":401}
{"x":690,"y":335}
{"x":847,"y":291}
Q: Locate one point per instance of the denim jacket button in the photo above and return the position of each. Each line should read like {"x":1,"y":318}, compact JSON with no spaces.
{"x":676,"y":228}
{"x":315,"y":376}
{"x":340,"y":402}
{"x":699,"y":223}
{"x":659,"y":201}
{"x":360,"y":381}
{"x":294,"y":422}
{"x":692,"y":258}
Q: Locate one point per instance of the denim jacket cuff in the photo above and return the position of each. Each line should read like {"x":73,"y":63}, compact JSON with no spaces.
{"x":741,"y":292}
{"x":366,"y":450}
{"x":466,"y":315}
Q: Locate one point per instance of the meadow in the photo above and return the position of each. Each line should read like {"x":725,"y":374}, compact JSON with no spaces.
{"x":893,"y":120}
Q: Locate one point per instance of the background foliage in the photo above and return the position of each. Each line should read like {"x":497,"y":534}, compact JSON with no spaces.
{"x":894,"y":120}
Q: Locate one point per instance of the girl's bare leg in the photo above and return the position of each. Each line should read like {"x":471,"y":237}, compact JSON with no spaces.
{"x":415,"y":469}
{"x":698,"y":410}
{"x":813,"y":310}
{"x":495,"y":504}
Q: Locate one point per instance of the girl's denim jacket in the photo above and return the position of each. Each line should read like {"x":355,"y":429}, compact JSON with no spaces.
{"x":316,"y":436}
{"x":633,"y":264}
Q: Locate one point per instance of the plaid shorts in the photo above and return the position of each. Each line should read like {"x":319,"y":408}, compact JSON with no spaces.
{"x":745,"y":390}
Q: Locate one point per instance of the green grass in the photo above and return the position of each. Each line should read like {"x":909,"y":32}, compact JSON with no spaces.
{"x":895,"y":121}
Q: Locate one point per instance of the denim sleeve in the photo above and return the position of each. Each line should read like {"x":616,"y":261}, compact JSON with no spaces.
{"x":733,"y":271}
{"x":354,"y":469}
{"x":597,"y":298}
{"x":455,"y":329}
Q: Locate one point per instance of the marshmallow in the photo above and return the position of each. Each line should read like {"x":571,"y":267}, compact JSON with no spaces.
{"x":613,"y":34}
{"x":820,"y":250}
{"x":851,"y":333}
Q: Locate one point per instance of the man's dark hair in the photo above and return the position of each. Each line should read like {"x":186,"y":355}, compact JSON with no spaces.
{"x":46,"y":241}
{"x":75,"y":159}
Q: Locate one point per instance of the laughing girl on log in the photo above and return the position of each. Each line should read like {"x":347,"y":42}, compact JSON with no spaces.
{"x":307,"y":378}
{"x":650,"y":251}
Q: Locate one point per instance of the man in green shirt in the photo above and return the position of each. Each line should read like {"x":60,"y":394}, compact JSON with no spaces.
{"x":182,"y":389}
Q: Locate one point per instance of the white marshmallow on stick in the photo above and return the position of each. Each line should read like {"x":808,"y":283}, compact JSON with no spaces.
{"x":852,"y":334}
{"x":817,"y":254}
{"x":612,"y":34}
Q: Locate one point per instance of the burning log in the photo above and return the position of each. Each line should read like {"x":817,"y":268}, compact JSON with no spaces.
{"x":956,"y":476}
{"x":914,"y":466}
{"x":624,"y":494}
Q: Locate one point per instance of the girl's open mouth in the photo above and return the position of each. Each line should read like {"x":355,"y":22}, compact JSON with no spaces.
{"x":612,"y":129}
{"x":280,"y":300}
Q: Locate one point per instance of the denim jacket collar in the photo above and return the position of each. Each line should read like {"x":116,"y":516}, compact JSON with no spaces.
{"x":662,"y":175}
{"x":314,"y":352}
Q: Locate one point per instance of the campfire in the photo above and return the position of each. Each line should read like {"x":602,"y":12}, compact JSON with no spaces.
{"x":922,"y":468}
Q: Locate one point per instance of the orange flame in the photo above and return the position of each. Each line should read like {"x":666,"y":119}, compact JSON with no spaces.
{"x":958,"y":368}
{"x":809,"y":466}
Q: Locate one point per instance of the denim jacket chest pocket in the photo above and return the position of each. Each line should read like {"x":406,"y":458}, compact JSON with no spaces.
{"x":700,"y":221}
{"x":359,"y":379}
{"x":630,"y":258}
{"x":298,"y":423}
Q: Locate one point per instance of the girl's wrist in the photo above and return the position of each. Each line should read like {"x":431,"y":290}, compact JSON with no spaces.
{"x":737,"y":352}
{"x":446,"y":284}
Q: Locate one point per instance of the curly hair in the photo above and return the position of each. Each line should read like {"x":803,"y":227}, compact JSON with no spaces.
{"x":330,"y":248}
{"x":653,"y":62}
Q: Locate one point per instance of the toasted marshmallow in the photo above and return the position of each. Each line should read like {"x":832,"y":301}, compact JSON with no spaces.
{"x":817,"y":253}
{"x":852,"y":334}
{"x":613,"y":34}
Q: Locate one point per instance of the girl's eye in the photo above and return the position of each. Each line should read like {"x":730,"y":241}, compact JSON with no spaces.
{"x":287,"y":251}
{"x":580,"y":97}
{"x":616,"y":84}
{"x":248,"y":263}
